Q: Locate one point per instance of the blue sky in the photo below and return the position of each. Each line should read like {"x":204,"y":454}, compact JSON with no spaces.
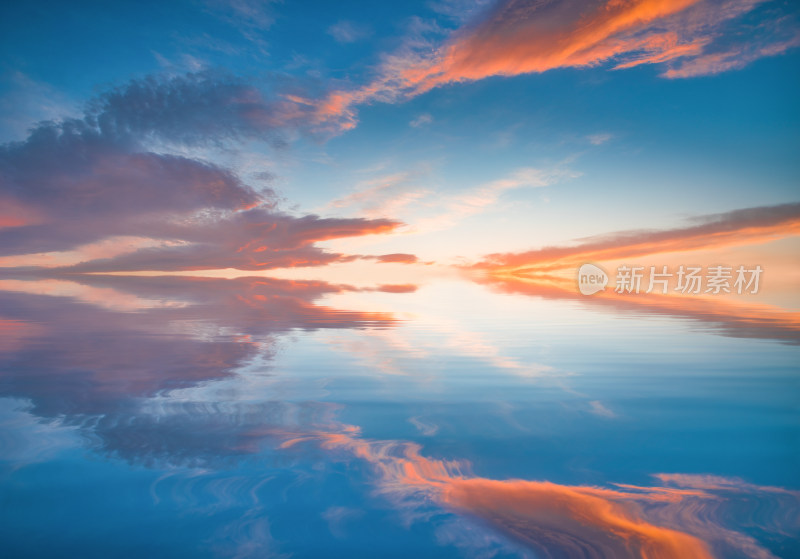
{"x":662,"y":114}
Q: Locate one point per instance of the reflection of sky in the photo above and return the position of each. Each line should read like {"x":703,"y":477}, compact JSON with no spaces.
{"x":256,"y":422}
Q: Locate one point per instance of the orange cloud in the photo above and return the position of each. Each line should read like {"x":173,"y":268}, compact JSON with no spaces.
{"x":662,"y":522}
{"x":523,"y":37}
{"x":396,"y":257}
{"x":577,"y":521}
{"x":549,"y":272}
{"x":740,"y":227}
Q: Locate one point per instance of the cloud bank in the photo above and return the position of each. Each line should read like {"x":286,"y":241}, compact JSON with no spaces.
{"x":84,"y":180}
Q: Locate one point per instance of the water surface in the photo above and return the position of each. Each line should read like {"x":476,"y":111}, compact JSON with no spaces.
{"x":256,"y":417}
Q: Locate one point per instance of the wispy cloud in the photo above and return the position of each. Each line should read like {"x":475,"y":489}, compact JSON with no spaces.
{"x":384,"y":195}
{"x":345,"y":31}
{"x":751,"y":225}
{"x":394,"y":258}
{"x":599,"y":139}
{"x":421,"y":120}
{"x":424,"y":209}
{"x":689,"y":37}
{"x":26,"y":101}
{"x":453,"y":208}
{"x":250,"y":17}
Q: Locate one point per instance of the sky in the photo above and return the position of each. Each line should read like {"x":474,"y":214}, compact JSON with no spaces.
{"x":254,"y":136}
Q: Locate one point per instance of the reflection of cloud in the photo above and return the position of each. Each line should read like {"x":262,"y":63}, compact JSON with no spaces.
{"x":398,"y":288}
{"x":381,"y":351}
{"x":26,"y":438}
{"x":167,"y":333}
{"x":740,"y":320}
{"x":337,"y":519}
{"x":118,"y":376}
{"x":425,"y":429}
{"x":661,"y":522}
{"x":597,"y":408}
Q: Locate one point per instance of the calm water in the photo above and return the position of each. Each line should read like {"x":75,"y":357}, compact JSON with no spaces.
{"x":179,"y":417}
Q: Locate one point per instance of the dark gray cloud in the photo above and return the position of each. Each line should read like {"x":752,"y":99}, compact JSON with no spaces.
{"x":194,"y":108}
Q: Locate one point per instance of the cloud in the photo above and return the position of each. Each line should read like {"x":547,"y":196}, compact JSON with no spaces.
{"x":421,"y":120}
{"x":250,"y":17}
{"x":599,"y":139}
{"x":734,"y":58}
{"x":345,"y":31}
{"x":739,"y":227}
{"x":254,"y":13}
{"x":77,"y":186}
{"x":195,"y":108}
{"x":394,"y":194}
{"x":255,"y":239}
{"x":515,"y":37}
{"x":454,"y":208}
{"x":383,"y":196}
{"x":396,"y":257}
{"x":26,"y":101}
{"x":81,"y":181}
